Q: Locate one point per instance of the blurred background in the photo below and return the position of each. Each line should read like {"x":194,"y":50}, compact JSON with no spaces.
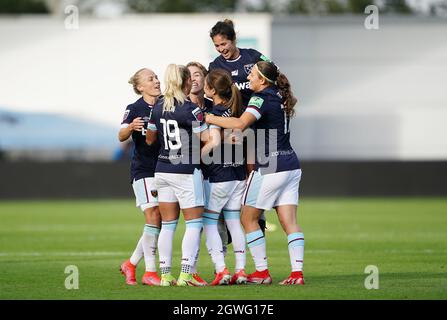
{"x":372,"y":102}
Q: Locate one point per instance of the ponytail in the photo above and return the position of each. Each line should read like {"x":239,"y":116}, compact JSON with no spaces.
{"x":269,"y":71}
{"x":235,"y":102}
{"x":221,"y":81}
{"x":285,"y":90}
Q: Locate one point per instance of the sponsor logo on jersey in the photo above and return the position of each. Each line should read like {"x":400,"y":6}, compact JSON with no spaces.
{"x":197,"y":112}
{"x":248,"y":67}
{"x":234,"y":72}
{"x":126,"y":114}
{"x":242,"y":85}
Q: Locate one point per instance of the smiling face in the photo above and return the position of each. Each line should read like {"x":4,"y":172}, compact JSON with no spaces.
{"x":256,"y":80}
{"x":198,"y":80}
{"x":225,"y":47}
{"x":148,"y":83}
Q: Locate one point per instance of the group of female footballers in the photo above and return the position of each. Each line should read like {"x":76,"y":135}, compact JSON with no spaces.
{"x":203,"y":112}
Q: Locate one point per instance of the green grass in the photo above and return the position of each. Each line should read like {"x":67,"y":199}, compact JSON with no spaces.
{"x":405,"y":238}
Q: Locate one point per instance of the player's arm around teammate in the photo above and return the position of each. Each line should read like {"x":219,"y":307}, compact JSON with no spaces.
{"x":136,"y":117}
{"x":271,"y":107}
{"x":238,"y":62}
{"x":226,"y":180}
{"x":175,"y":123}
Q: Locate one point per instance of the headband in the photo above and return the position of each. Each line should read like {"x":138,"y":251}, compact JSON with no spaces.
{"x":271,"y":81}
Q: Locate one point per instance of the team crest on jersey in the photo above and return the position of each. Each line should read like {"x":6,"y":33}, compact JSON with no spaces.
{"x":126,"y":114}
{"x":154,"y":193}
{"x":248,"y":67}
{"x":197,"y":112}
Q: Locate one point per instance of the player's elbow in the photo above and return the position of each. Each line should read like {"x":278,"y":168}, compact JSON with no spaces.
{"x":121,"y":137}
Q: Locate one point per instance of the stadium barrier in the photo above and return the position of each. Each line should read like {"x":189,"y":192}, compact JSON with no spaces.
{"x":91,"y":180}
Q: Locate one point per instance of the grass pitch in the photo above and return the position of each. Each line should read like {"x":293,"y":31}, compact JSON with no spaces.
{"x":405,"y":238}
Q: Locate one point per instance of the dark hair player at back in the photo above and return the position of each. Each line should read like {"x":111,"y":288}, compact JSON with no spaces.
{"x":238,"y":62}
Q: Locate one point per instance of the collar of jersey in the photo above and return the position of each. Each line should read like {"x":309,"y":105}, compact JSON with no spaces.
{"x":145,"y":103}
{"x":240,"y":55}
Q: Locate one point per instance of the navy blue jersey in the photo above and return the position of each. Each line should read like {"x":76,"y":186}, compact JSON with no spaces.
{"x":268,"y":109}
{"x":231,"y":166}
{"x":239,"y":69}
{"x":208,"y":105}
{"x":175,"y":130}
{"x":144,"y":158}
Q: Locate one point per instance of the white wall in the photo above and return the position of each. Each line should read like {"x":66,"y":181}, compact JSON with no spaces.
{"x":84,"y":72}
{"x":378,"y":94}
{"x":366,"y":94}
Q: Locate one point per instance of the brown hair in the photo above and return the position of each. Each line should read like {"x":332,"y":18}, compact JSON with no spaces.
{"x":198,"y":65}
{"x":135,"y":80}
{"x":274,"y":77}
{"x":221,"y":81}
{"x":224,"y":28}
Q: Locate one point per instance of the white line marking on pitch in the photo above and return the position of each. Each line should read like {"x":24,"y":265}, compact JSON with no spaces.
{"x":40,"y":254}
{"x":124,"y":253}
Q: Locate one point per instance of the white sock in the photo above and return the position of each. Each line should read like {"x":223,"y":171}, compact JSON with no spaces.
{"x":232,"y":219}
{"x":194,"y":267}
{"x":150,"y":238}
{"x":256,"y":244}
{"x":296,"y":250}
{"x":165,"y":240}
{"x":213,"y":240}
{"x":191,"y":243}
{"x":137,"y":255}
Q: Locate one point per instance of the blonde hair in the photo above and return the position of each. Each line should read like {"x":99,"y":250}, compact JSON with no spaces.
{"x":135,"y":80}
{"x":175,"y":80}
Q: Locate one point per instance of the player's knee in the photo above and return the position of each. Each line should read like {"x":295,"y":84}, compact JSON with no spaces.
{"x":152,"y":215}
{"x":248,"y":220}
{"x":291,"y":228}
